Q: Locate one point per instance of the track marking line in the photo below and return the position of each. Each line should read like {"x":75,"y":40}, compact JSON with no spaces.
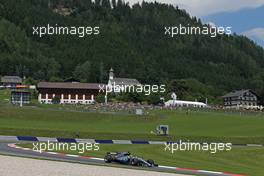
{"x":72,"y":155}
{"x":210,"y":172}
{"x":231,"y":174}
{"x":254,"y":145}
{"x":187,"y":169}
{"x":53,"y":153}
{"x":168,"y":167}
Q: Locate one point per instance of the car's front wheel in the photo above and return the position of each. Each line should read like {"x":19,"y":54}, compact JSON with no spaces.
{"x":108,"y":159}
{"x":151,"y":162}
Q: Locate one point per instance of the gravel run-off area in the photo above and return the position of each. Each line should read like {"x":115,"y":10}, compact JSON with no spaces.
{"x":10,"y":166}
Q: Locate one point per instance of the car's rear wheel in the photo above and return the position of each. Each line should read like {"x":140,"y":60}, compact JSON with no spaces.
{"x":134,"y":162}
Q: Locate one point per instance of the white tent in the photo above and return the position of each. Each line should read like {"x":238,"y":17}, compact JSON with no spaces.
{"x":180,"y":103}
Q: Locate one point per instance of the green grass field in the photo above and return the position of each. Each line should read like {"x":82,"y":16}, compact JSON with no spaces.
{"x":239,"y":160}
{"x":193,"y":125}
{"x":185,"y":125}
{"x":4,"y":96}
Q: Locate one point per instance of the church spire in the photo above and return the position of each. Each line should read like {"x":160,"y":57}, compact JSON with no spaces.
{"x":111,"y":74}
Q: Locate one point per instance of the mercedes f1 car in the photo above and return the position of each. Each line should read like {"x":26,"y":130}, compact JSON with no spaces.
{"x":127,"y":159}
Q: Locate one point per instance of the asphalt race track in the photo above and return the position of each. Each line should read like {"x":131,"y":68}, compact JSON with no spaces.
{"x":7,"y":150}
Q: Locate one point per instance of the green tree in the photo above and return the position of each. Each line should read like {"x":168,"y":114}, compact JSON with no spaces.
{"x":82,"y":72}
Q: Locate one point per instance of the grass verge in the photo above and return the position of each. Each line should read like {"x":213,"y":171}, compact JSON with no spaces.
{"x":197,"y":126}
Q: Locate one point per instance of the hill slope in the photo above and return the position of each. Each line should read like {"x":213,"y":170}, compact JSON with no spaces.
{"x":131,"y":40}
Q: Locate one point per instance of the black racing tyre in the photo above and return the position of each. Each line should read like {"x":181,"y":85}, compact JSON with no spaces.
{"x":108,"y":158}
{"x":150,"y":161}
{"x":134,"y":162}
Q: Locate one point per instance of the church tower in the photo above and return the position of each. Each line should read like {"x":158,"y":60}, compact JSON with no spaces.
{"x":111,"y":74}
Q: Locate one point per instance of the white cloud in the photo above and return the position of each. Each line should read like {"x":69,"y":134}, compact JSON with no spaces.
{"x":206,"y":7}
{"x":211,"y":23}
{"x":257,"y":33}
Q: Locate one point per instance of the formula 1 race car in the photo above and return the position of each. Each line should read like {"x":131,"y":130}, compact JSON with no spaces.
{"x":127,"y":159}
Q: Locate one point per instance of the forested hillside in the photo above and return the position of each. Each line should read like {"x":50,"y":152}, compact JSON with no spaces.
{"x":131,"y":40}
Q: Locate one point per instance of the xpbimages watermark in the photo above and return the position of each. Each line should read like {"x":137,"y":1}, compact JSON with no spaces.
{"x":211,"y":31}
{"x":59,"y":146}
{"x":146,"y":89}
{"x":80,"y":31}
{"x":194,"y":146}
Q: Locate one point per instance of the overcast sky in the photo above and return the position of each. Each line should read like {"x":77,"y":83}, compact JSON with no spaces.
{"x":207,"y":7}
